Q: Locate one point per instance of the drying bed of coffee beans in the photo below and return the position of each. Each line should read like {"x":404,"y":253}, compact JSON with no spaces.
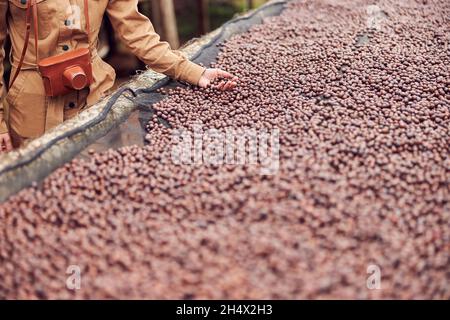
{"x":361,"y":99}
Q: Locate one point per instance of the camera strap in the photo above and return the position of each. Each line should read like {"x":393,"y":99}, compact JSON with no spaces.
{"x":32,"y":10}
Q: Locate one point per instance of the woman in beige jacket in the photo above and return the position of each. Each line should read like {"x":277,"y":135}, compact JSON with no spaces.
{"x":31,"y":113}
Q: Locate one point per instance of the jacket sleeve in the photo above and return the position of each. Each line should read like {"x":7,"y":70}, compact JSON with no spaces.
{"x":138,"y":34}
{"x":3,"y":32}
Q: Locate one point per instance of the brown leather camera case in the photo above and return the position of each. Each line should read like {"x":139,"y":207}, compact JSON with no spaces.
{"x":64,"y":73}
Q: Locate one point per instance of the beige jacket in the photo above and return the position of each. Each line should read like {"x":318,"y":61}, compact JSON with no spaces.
{"x":30,"y":112}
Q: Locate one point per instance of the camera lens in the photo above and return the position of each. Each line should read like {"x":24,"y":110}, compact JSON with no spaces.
{"x":75,"y":78}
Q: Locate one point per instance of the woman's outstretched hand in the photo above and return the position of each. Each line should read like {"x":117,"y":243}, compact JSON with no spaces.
{"x":226,"y":80}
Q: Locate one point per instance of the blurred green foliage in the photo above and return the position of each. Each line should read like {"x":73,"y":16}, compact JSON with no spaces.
{"x":220,"y":11}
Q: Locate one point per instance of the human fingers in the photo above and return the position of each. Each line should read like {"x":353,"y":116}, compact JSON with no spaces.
{"x":5,"y":142}
{"x":228,"y":86}
{"x":224,"y":74}
{"x":220,"y":85}
{"x":8,"y":143}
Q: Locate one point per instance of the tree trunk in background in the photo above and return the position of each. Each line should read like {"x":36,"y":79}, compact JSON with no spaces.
{"x":155,"y":10}
{"x":250,"y":4}
{"x":169,"y":23}
{"x":203,"y":16}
